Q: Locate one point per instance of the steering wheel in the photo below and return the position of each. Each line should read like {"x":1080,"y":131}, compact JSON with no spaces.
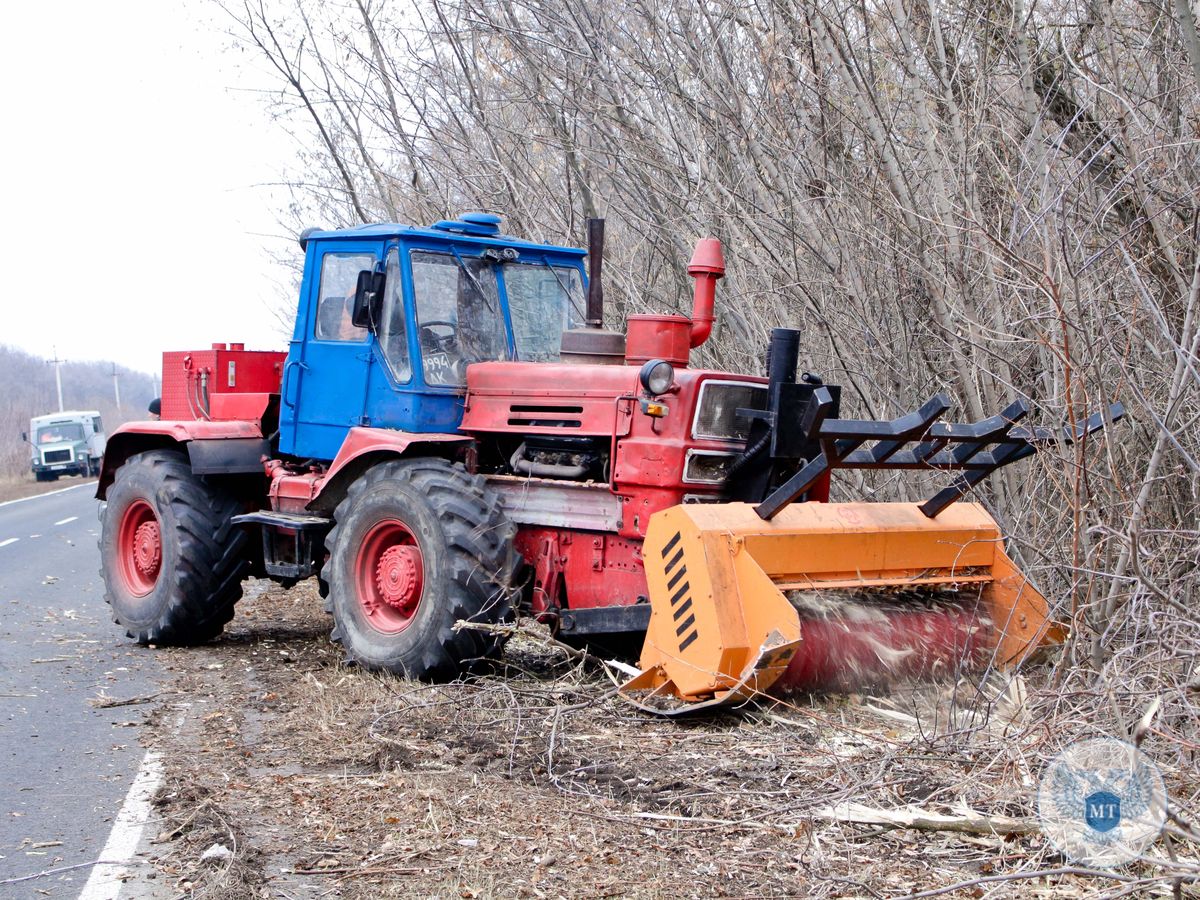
{"x":444,"y":343}
{"x":442,"y":354}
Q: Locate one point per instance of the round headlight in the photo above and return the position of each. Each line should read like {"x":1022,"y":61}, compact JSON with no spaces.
{"x":657,"y":376}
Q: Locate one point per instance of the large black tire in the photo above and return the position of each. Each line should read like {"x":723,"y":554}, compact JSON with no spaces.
{"x":187,"y":596}
{"x":435,"y":541}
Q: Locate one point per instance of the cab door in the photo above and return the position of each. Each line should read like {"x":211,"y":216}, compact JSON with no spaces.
{"x":325,"y":376}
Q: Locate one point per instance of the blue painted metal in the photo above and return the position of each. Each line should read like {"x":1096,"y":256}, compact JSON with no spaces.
{"x":385,"y":231}
{"x":330,"y":387}
{"x":477,"y":224}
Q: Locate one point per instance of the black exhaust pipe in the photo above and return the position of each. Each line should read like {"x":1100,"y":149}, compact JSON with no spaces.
{"x":595,"y":296}
{"x":591,"y":344}
{"x":783,"y":355}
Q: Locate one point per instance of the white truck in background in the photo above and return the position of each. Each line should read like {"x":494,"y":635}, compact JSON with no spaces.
{"x":65,"y":443}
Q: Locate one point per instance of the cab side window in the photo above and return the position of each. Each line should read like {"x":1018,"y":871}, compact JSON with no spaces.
{"x":339,"y":278}
{"x":393,"y":330}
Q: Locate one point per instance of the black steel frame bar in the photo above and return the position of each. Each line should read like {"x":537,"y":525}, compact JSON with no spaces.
{"x":840,"y":440}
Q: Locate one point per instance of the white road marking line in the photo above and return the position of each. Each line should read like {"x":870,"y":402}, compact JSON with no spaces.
{"x":106,"y":880}
{"x":66,"y":520}
{"x":9,"y":541}
{"x":73,"y":487}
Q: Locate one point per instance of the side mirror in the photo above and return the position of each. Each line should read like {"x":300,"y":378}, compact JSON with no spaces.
{"x":24,"y":437}
{"x":368,"y":299}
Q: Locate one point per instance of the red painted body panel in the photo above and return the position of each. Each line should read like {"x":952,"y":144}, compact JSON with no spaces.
{"x":658,"y":337}
{"x":581,"y":569}
{"x":361,"y":441}
{"x":545,"y":398}
{"x":292,"y":491}
{"x":192,"y":430}
{"x":224,"y":371}
{"x":251,"y":407}
{"x":136,"y":437}
{"x":577,"y":568}
{"x":298,"y":490}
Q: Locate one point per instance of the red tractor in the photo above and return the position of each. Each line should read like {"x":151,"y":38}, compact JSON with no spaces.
{"x":453,"y":437}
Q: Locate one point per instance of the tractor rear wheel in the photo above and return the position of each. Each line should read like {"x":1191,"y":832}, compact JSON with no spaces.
{"x":417,"y":546}
{"x":172,"y":563}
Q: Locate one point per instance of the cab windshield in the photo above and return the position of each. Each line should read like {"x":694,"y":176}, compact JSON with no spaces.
{"x":458,"y":315}
{"x":544,"y":301}
{"x":54,"y":434}
{"x":460,"y":319}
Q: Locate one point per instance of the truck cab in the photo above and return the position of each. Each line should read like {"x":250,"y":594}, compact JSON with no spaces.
{"x":65,"y":443}
{"x":430,"y":302}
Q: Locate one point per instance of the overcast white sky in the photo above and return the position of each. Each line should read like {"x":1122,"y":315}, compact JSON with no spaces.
{"x":136,"y":160}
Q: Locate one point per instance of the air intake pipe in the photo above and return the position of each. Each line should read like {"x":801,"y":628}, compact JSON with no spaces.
{"x":707,"y":265}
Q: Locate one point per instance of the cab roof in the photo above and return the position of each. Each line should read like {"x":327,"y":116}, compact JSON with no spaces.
{"x":471,"y":228}
{"x":69,"y":415}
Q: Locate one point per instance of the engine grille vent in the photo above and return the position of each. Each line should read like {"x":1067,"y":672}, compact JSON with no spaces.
{"x":545,"y":416}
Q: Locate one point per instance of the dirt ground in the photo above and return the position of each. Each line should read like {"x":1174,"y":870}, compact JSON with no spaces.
{"x":16,"y":488}
{"x":313,"y":779}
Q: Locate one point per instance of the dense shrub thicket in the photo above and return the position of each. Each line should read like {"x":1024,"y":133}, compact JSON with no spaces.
{"x":990,"y":198}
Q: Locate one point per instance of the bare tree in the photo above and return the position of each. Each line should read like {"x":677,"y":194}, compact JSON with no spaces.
{"x":994,"y":199}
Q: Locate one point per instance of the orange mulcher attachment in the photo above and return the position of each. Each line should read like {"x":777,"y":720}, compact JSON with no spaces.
{"x":822,"y":596}
{"x":776,"y":597}
{"x":826,"y":595}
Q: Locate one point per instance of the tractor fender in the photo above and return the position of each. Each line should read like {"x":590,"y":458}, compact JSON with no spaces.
{"x":364,"y":447}
{"x":138,"y":437}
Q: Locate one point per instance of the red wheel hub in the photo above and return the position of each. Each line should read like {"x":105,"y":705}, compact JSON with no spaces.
{"x":139,"y":548}
{"x":389,"y":576}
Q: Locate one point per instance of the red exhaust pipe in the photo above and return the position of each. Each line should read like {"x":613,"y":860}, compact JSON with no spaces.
{"x":707,"y":265}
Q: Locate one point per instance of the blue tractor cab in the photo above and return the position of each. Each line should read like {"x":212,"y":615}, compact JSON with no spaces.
{"x":390,"y":317}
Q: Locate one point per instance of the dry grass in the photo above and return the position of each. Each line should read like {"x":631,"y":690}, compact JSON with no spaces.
{"x":18,"y":488}
{"x":538,"y":782}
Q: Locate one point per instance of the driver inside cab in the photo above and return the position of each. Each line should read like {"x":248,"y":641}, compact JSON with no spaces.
{"x":334,"y":322}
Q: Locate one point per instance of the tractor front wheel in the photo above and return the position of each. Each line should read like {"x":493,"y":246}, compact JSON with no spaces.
{"x":172,"y":563}
{"x":418,"y":546}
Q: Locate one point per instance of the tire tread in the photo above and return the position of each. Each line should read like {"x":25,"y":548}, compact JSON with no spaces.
{"x":482,"y":565}
{"x":212,"y":554}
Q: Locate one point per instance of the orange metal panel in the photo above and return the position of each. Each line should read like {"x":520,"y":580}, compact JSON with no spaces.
{"x":721,"y":626}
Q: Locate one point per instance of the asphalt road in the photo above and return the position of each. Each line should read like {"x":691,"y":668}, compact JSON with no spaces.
{"x":65,"y":764}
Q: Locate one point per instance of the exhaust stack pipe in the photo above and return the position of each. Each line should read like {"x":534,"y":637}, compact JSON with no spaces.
{"x":707,"y":265}
{"x":595,"y":295}
{"x":591,"y":344}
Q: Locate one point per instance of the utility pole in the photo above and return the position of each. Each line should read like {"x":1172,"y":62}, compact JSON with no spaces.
{"x":116,"y":388}
{"x":57,"y":363}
